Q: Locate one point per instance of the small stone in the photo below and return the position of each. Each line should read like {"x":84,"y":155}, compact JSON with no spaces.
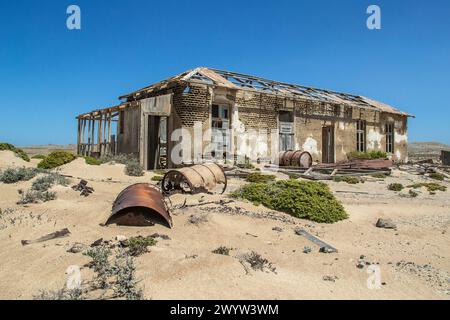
{"x":307,"y":250}
{"x":121,"y":238}
{"x":96,"y":243}
{"x":386,"y":224}
{"x":362,"y":257}
{"x":277,"y":229}
{"x":330,"y":278}
{"x":360,"y":265}
{"x":76,"y":248}
{"x":162,"y":236}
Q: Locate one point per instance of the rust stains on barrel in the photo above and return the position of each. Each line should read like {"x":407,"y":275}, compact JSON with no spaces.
{"x":208,"y":177}
{"x":297,"y":158}
{"x":140,"y":204}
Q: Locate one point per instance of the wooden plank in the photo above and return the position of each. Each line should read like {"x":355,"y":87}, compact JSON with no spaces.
{"x":324,"y":247}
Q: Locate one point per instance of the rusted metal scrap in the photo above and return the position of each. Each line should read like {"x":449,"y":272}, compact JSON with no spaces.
{"x":82,"y":186}
{"x":208,"y":177}
{"x":298,"y":158}
{"x":58,"y":234}
{"x":140,"y":204}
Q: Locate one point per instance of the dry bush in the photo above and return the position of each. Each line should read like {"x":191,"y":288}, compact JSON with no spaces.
{"x":13,"y":175}
{"x":134,"y":169}
{"x":198,"y":219}
{"x":222,"y":250}
{"x":257,"y":262}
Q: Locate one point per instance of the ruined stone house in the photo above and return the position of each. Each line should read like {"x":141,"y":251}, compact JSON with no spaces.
{"x":328,"y":124}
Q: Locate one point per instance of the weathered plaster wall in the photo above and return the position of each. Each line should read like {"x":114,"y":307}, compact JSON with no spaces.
{"x":253,"y":111}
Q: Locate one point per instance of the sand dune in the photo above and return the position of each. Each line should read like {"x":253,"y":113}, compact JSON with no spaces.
{"x":185,"y":268}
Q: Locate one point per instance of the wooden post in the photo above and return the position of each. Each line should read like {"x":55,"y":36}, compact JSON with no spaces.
{"x":83,"y":138}
{"x":91,"y":145}
{"x":109,"y":132}
{"x":100,"y":133}
{"x":105,"y":133}
{"x":88,"y":147}
{"x":79,"y":137}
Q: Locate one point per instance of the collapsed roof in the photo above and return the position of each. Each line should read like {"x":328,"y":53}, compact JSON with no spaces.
{"x":237,"y":81}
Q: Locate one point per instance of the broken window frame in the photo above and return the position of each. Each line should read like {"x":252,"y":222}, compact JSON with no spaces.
{"x":361,"y":136}
{"x":389,"y":130}
{"x":220,"y":122}
{"x":287,"y":139}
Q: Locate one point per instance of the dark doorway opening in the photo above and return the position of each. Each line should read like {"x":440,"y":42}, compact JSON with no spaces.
{"x":157,"y":143}
{"x":328,"y":144}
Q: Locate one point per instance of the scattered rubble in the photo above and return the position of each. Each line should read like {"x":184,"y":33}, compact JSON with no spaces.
{"x":330,"y":278}
{"x":85,"y":190}
{"x":438,"y":279}
{"x":307,"y":250}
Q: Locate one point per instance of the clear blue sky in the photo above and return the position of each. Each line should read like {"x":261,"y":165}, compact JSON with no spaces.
{"x":50,"y":74}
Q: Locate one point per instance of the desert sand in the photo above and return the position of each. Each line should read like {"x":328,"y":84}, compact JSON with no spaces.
{"x":414,"y":259}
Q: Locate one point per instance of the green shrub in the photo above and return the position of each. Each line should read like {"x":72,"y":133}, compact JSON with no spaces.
{"x":39,"y":156}
{"x":379,"y":176}
{"x":56,"y":159}
{"x":13,"y":175}
{"x":294,"y":176}
{"x":92,"y":161}
{"x":134,"y":169}
{"x":246,"y":165}
{"x":19,"y":152}
{"x":432,"y":187}
{"x":302,"y":199}
{"x":46,"y":182}
{"x":395,"y":187}
{"x":437,"y":176}
{"x":348,"y":179}
{"x":257,"y":177}
{"x":157,"y":178}
{"x":138,"y":245}
{"x":367,"y":155}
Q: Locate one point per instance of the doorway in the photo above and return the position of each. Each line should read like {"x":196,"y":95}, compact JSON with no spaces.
{"x":328,"y":144}
{"x":157,"y":143}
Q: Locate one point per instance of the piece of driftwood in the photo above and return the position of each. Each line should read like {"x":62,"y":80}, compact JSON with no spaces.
{"x":58,"y":234}
{"x":324,"y":247}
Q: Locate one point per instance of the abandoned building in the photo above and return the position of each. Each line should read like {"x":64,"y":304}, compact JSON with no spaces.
{"x":325,"y":123}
